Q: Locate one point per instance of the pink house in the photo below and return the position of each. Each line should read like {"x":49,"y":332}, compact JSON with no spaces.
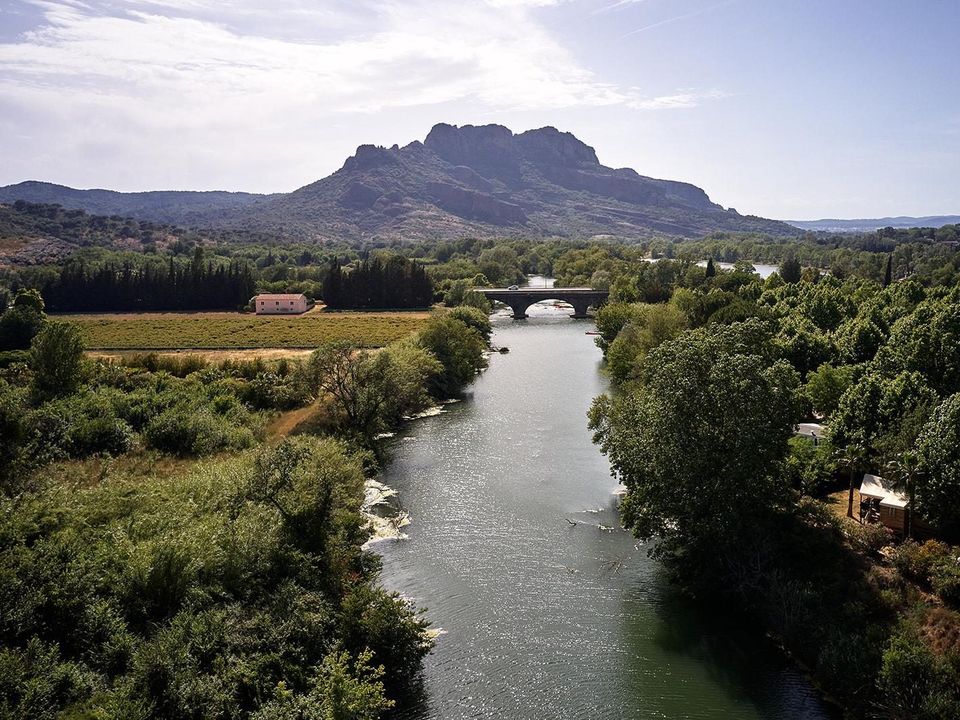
{"x":280,"y":304}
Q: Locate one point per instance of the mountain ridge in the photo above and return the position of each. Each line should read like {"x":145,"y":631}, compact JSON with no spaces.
{"x":871,"y":224}
{"x":471,"y":180}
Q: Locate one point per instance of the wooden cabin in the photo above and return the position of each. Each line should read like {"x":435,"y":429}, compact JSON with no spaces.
{"x":881,"y":502}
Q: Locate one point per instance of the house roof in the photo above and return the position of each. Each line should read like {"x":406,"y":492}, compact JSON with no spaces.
{"x":874,"y":486}
{"x":280,"y":296}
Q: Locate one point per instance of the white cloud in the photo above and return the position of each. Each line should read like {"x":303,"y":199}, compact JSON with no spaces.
{"x":687,"y":99}
{"x":415,"y":53}
{"x":201,"y":80}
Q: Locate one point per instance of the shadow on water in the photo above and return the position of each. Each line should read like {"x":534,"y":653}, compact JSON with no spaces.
{"x":731,"y":650}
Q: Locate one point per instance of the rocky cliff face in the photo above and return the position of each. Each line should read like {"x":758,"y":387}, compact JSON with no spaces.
{"x":469,"y":180}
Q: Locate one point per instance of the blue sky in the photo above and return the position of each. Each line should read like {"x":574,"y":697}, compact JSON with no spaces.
{"x":792,"y":109}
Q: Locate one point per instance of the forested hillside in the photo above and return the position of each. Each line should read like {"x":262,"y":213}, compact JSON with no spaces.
{"x":32,"y":234}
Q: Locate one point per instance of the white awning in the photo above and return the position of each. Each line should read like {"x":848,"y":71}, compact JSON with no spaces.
{"x":874,"y":486}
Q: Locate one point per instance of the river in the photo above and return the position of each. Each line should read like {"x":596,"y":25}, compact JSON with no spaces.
{"x":541,"y":618}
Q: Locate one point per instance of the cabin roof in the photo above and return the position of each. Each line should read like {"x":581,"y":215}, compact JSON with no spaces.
{"x":874,"y":486}
{"x":280,"y":296}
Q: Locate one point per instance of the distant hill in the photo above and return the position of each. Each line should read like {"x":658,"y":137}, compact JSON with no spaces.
{"x":164,"y":206}
{"x":868,"y":225}
{"x":460,"y":181}
{"x":39,"y":233}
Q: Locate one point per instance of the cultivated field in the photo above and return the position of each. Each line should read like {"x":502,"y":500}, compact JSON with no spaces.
{"x":215,"y":331}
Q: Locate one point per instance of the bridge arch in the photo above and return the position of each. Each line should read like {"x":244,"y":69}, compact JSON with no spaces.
{"x":519,"y":300}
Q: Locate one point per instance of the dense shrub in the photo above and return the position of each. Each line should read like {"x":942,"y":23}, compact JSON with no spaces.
{"x":915,"y":683}
{"x":56,"y":359}
{"x":269,"y":390}
{"x":946,"y":579}
{"x":177,"y":365}
{"x":77,"y":426}
{"x":809,"y":467}
{"x":11,"y":357}
{"x":917,"y":561}
{"x":35,"y":681}
{"x":18,"y":326}
{"x":185,"y":430}
{"x":237,"y":590}
{"x":13,"y":433}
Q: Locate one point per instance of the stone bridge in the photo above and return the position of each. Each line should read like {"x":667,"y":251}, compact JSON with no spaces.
{"x":520,"y":300}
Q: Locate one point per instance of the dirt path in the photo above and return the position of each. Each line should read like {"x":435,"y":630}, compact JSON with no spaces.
{"x":213,"y":356}
{"x":288,"y":421}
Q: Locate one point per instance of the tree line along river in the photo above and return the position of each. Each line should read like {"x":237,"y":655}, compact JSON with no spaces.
{"x":547,"y":609}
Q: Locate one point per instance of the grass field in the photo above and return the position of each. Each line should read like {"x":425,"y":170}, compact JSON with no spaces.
{"x":187,"y":331}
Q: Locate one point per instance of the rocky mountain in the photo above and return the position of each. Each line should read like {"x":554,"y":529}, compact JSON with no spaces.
{"x":470,"y":180}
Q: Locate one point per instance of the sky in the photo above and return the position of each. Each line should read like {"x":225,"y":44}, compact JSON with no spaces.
{"x":790,"y":109}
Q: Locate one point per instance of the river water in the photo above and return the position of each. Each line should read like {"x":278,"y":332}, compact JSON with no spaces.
{"x":547,"y":609}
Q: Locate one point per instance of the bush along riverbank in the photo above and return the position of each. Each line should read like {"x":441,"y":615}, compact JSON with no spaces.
{"x":160,"y":559}
{"x":701,"y":433}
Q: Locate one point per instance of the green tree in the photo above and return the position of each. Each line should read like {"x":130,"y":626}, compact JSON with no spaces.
{"x":371,"y":392}
{"x":853,"y":458}
{"x":654,"y":326}
{"x":18,"y":327}
{"x":460,"y":350}
{"x":612,"y":318}
{"x":905,"y":470}
{"x":698,"y":442}
{"x":790,"y":269}
{"x":475,"y":319}
{"x":803,"y":344}
{"x":859,"y":339}
{"x":31,"y":299}
{"x":938,"y":488}
{"x":56,"y":359}
{"x":404,"y":371}
{"x":928,"y":341}
{"x":826,"y":385}
{"x":500,"y":264}
{"x":473,"y":299}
